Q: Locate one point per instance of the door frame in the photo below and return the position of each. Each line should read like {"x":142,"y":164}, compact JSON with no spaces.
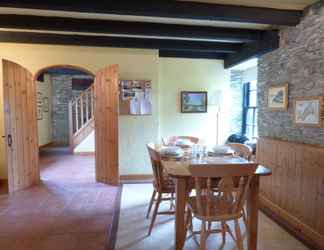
{"x":35,"y":76}
{"x":66,"y":66}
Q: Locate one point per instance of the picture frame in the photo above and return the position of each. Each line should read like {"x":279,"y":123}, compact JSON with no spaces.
{"x":194,"y":101}
{"x":39,"y":113}
{"x":39,"y":98}
{"x":45,"y":104}
{"x":308,"y":111}
{"x":277,"y":97}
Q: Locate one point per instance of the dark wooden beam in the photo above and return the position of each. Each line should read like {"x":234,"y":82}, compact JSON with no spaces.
{"x":120,"y":42}
{"x":168,"y":9}
{"x":269,"y":42}
{"x":128,"y":28}
{"x":191,"y":54}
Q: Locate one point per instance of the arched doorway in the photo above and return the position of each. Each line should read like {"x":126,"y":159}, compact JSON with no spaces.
{"x":65,"y":119}
{"x":20,"y":105}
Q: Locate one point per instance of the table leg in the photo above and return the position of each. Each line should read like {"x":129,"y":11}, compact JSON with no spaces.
{"x":180,"y":226}
{"x":252,"y":213}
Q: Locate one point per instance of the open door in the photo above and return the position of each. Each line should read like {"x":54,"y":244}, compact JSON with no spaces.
{"x":20,"y":126}
{"x":106,"y":125}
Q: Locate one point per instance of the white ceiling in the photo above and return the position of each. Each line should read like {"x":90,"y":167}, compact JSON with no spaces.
{"x":276,"y":4}
{"x":129,"y":18}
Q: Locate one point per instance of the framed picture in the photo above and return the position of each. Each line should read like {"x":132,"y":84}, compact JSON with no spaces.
{"x":193,"y":101}
{"x":39,"y":113}
{"x":308,"y":111}
{"x":278,"y":97}
{"x":39,"y":98}
{"x":45,"y":104}
{"x":135,"y":97}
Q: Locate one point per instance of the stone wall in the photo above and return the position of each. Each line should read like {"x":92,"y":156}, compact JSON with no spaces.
{"x":62,"y":94}
{"x":300,"y":62}
{"x":236,"y":83}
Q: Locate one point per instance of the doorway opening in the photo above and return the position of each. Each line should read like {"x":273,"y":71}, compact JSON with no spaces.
{"x":24,"y":108}
{"x":65,"y":122}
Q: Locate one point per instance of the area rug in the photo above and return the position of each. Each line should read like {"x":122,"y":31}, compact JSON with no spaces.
{"x":133,"y":228}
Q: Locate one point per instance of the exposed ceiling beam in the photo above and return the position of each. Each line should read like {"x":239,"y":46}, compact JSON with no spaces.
{"x":168,"y":9}
{"x":191,"y":54}
{"x":120,"y":42}
{"x":248,"y":51}
{"x":128,"y":28}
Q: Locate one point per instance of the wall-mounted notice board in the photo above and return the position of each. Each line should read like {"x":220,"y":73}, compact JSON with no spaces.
{"x":135,"y":97}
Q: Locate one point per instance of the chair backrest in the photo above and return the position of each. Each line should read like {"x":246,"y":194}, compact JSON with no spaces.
{"x":173,"y":139}
{"x":156,"y":165}
{"x":242,"y":150}
{"x":231,"y":183}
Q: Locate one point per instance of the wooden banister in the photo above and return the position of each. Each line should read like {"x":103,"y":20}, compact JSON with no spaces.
{"x":81,"y":112}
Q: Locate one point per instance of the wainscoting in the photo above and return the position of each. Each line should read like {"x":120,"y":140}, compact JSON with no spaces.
{"x":294,"y":194}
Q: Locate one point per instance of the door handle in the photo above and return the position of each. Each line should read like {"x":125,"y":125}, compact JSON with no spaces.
{"x":9,"y":139}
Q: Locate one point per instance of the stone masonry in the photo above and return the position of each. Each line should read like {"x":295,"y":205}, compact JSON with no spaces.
{"x":236,"y":83}
{"x":300,"y":62}
{"x":62,"y":94}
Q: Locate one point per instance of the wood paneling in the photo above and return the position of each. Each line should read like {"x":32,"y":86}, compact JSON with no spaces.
{"x":106,"y":125}
{"x":294,"y":192}
{"x":21,"y":126}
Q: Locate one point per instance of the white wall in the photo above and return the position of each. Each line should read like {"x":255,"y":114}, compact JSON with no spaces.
{"x":250,"y":74}
{"x":45,"y":125}
{"x":87,"y":145}
{"x":176,"y":75}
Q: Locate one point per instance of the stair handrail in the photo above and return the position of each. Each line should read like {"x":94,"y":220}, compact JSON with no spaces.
{"x":75,"y":117}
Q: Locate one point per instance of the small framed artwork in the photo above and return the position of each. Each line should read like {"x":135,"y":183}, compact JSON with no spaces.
{"x":39,"y":98}
{"x":308,"y":111}
{"x":193,"y":101}
{"x":45,"y":104}
{"x":278,"y":97}
{"x":39,"y":113}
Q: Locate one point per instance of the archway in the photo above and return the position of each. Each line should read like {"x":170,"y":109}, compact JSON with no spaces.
{"x":65,"y":118}
{"x":21,"y":129}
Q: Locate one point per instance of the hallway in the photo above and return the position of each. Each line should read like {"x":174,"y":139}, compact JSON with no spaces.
{"x":68,"y":211}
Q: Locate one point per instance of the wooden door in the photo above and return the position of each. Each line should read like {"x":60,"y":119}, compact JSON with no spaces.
{"x":106,"y":125}
{"x":20,"y":126}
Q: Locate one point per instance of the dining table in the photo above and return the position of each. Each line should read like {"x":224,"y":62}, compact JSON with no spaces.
{"x":178,"y":169}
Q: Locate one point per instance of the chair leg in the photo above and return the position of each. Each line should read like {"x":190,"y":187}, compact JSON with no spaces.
{"x":151,"y":204}
{"x":203,"y":236}
{"x":244,"y":217}
{"x":239,"y":240}
{"x":155,"y":211}
{"x":172,"y":202}
{"x":223,"y":232}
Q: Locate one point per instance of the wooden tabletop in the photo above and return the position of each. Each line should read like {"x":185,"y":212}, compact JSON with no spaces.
{"x":178,"y":169}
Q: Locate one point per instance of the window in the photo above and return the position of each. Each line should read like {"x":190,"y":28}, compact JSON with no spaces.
{"x":250,"y":114}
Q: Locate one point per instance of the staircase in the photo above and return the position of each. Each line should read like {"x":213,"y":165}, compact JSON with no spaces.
{"x":81,"y":117}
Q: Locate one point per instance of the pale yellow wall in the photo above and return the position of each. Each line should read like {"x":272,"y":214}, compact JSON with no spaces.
{"x":168,"y":76}
{"x":134,"y":132}
{"x":176,"y":75}
{"x":45,"y":124}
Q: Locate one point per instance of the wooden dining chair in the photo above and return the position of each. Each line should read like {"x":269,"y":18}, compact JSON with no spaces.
{"x":245,"y":152}
{"x":225,"y":205}
{"x":242,"y":150}
{"x":173,"y":139}
{"x":162,"y":184}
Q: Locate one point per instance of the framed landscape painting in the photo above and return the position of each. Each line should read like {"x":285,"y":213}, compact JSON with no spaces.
{"x":278,"y":97}
{"x":308,"y":111}
{"x":193,"y":102}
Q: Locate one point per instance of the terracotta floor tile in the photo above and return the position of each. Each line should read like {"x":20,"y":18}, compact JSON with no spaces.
{"x":67,"y":211}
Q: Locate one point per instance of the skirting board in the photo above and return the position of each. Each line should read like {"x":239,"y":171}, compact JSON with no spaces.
{"x":84,"y":153}
{"x":136,"y":178}
{"x":294,"y":226}
{"x":3,"y":186}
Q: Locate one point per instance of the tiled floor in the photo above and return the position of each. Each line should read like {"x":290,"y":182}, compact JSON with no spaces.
{"x":133,"y":228}
{"x":69,"y":211}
